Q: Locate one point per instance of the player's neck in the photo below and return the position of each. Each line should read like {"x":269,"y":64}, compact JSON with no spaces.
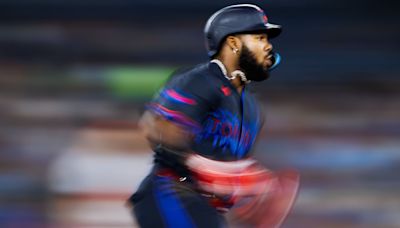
{"x":238,"y":84}
{"x":230,"y":66}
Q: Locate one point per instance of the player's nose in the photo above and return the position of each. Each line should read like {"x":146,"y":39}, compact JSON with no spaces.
{"x":268,"y":47}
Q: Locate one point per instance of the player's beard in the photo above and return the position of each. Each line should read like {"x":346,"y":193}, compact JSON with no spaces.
{"x":248,"y":64}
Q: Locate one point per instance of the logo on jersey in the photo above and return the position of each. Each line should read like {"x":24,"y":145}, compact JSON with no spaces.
{"x":227,"y":133}
{"x":225,"y":90}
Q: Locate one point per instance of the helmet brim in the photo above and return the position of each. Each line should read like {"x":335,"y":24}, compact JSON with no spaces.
{"x":273,"y":30}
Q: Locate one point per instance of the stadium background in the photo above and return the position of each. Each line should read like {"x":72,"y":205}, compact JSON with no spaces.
{"x":74,"y":77}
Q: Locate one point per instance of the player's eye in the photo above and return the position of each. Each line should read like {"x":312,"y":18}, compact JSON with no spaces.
{"x":261,"y":37}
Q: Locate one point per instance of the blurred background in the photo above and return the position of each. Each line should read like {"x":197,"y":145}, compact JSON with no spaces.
{"x":75,"y":75}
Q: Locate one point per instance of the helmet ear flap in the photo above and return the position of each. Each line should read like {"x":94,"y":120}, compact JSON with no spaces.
{"x":276,"y":59}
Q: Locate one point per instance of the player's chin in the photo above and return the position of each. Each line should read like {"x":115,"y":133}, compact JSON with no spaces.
{"x":267,"y":65}
{"x":266,"y":70}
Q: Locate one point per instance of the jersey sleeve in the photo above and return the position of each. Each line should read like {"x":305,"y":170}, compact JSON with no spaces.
{"x":185,"y":100}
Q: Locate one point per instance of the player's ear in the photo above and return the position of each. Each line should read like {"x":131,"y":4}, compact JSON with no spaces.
{"x":234,"y":43}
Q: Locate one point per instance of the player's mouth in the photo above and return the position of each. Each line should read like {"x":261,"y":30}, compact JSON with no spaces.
{"x":268,"y":60}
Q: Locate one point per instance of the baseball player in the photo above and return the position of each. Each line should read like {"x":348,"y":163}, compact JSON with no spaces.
{"x":202,"y":126}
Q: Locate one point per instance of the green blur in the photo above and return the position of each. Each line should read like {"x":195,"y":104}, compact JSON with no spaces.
{"x":136,"y":82}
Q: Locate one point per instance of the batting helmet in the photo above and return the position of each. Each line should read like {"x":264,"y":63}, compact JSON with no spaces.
{"x":236,"y":19}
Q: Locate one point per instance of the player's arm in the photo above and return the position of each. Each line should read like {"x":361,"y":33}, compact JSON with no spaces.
{"x":162,"y":132}
{"x":175,"y":116}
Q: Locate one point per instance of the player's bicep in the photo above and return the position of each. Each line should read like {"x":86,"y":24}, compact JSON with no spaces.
{"x":161,"y":131}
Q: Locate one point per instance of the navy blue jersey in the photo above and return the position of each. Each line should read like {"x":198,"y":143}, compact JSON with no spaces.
{"x":225,"y":123}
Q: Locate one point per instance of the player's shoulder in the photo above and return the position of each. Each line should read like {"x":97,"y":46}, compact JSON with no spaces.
{"x":198,"y":76}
